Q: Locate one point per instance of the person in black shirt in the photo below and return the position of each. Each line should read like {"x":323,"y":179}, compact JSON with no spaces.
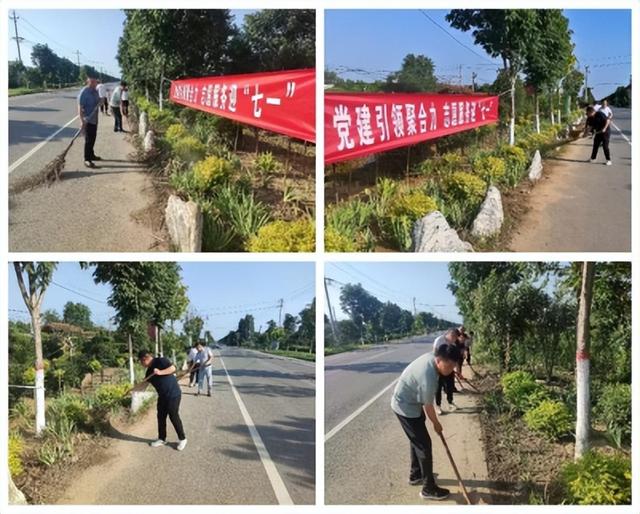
{"x":163,"y":379}
{"x":600,"y":122}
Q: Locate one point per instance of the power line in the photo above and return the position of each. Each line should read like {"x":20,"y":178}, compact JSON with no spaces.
{"x":453,"y":37}
{"x":78,"y":293}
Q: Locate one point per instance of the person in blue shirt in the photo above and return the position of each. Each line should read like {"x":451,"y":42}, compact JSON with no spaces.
{"x":161,"y":375}
{"x":88,"y":106}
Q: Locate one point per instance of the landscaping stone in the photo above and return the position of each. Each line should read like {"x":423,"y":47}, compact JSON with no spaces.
{"x":143,"y":124}
{"x":433,"y":234}
{"x":489,"y":220}
{"x":16,"y":496}
{"x":149,"y":143}
{"x":535,"y":169}
{"x":138,"y":399}
{"x":184,"y":223}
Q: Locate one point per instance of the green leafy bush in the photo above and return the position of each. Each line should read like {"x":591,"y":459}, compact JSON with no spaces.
{"x":73,"y":407}
{"x":266,"y":165}
{"x":16,"y":447}
{"x":442,"y":164}
{"x":551,"y":418}
{"x":284,"y":236}
{"x":211,"y":171}
{"x":614,"y":408}
{"x":22,"y":415}
{"x":413,"y":204}
{"x":521,"y":390}
{"x":188,"y":148}
{"x":350,"y":219}
{"x":516,"y":162}
{"x":598,"y":479}
{"x":465,"y":186}
{"x":110,"y":397}
{"x":491,"y":168}
{"x":336,"y":242}
{"x":239,"y":210}
{"x":175,"y":131}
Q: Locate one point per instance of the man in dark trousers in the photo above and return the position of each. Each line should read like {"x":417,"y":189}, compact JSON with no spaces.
{"x":412,"y":402}
{"x":450,"y":337}
{"x":88,"y":105}
{"x":600,"y":123}
{"x":162,"y":377}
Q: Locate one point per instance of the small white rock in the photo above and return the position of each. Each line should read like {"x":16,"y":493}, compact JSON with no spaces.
{"x":433,"y":234}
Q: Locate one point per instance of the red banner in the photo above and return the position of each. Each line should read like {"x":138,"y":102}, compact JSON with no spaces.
{"x":279,"y":101}
{"x":357,"y":124}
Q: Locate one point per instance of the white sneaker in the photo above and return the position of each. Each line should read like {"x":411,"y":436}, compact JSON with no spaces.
{"x":182,"y":445}
{"x":452,"y":407}
{"x":592,"y":160}
{"x":439,"y":411}
{"x":157,"y":443}
{"x":609,"y":163}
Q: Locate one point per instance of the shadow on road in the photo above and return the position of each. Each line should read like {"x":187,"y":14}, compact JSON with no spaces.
{"x":27,"y":132}
{"x":275,"y":391}
{"x":114,"y":433}
{"x":260,"y":373}
{"x":32,"y":109}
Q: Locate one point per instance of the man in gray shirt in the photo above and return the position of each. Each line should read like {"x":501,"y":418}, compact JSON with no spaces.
{"x":450,"y":337}
{"x":412,"y":403}
{"x":88,"y":105}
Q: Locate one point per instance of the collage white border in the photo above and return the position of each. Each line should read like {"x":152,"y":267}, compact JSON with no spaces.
{"x":318,"y":257}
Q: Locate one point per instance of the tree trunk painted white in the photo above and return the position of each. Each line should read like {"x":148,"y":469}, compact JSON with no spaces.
{"x":157,"y":352}
{"x":132,"y":375}
{"x":537,"y":100}
{"x":583,"y":422}
{"x":39,"y":364}
{"x":512,"y":121}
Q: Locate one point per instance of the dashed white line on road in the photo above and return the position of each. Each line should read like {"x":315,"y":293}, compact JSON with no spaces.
{"x":280,"y":490}
{"x":40,"y":145}
{"x":356,"y":413}
{"x":621,"y":133}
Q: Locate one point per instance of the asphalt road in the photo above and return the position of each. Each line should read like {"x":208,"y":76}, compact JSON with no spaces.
{"x":250,"y":444}
{"x":578,"y":205}
{"x":366,"y":452}
{"x":40,"y":126}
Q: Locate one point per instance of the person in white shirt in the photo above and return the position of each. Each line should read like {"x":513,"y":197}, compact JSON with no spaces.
{"x":103,"y":94}
{"x":606,"y":109}
{"x":205,"y":360}
{"x":115,"y":103}
{"x":191,"y":364}
{"x":124,"y":101}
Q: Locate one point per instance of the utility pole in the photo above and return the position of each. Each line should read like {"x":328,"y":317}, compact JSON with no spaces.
{"x":332,"y":318}
{"x":17,"y":38}
{"x":460,"y":73}
{"x":474,"y":76}
{"x":415,"y":312}
{"x":280,"y":312}
{"x":77,"y":54}
{"x":586,"y":83}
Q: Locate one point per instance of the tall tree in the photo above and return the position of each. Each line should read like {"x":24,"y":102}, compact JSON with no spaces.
{"x":510,"y":34}
{"x":192,"y":327}
{"x":307,"y":326}
{"x":583,"y":399}
{"x":417,"y":74}
{"x":77,"y":314}
{"x":33,"y":280}
{"x":281,"y":39}
{"x":361,"y":306}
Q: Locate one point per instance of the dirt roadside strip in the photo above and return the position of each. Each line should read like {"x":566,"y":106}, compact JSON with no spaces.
{"x":110,"y":208}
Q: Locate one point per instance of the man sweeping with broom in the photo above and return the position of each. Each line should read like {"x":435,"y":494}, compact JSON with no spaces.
{"x":163,"y":379}
{"x":412,"y":402}
{"x":88,"y":105}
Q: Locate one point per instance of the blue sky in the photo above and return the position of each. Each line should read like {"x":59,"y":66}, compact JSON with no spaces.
{"x":94,"y":32}
{"x":397,"y":282}
{"x":220,"y":292}
{"x":378,"y":40}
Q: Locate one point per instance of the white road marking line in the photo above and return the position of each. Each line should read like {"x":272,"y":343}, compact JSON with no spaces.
{"x":40,"y":145}
{"x":277,"y":483}
{"x":618,"y":129}
{"x":384,"y":352}
{"x":356,"y":413}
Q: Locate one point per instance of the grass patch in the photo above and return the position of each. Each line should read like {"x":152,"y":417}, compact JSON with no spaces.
{"x":333,"y":350}
{"x":17,"y":91}
{"x":305,"y":356}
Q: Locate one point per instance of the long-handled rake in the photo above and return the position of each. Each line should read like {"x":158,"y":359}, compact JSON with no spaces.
{"x":468,"y":383}
{"x":455,"y":469}
{"x":142,"y":385}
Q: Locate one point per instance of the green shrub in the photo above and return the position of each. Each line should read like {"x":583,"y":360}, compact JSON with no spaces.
{"x":160,"y":120}
{"x":175,"y":131}
{"x":516,"y":162}
{"x":349,"y":218}
{"x":110,"y":397}
{"x":414,"y":205}
{"x":336,"y":242}
{"x":465,"y":186}
{"x":551,"y":418}
{"x":23,"y":414}
{"x":399,"y":230}
{"x":491,"y":168}
{"x":266,"y":165}
{"x":16,"y":447}
{"x":598,"y":479}
{"x":614,"y":409}
{"x":211,"y":171}
{"x":217,"y":236}
{"x":284,"y":236}
{"x":521,"y":390}
{"x":73,"y":407}
{"x":188,"y":148}
{"x":239,"y":210}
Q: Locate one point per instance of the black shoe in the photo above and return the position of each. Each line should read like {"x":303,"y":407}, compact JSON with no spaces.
{"x":434,"y":493}
{"x":416,"y":481}
{"x":96,"y":158}
{"x":89,"y":164}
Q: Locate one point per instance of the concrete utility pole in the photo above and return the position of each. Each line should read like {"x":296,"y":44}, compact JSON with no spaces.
{"x":331,"y":314}
{"x":474,"y":76}
{"x":586,"y":83}
{"x":415,"y":312}
{"x":17,"y":38}
{"x":280,"y":312}
{"x":77,"y":54}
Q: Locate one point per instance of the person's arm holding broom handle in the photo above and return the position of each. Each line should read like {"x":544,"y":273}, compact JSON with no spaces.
{"x":167,"y":371}
{"x":81,"y":116}
{"x":430,"y":412}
